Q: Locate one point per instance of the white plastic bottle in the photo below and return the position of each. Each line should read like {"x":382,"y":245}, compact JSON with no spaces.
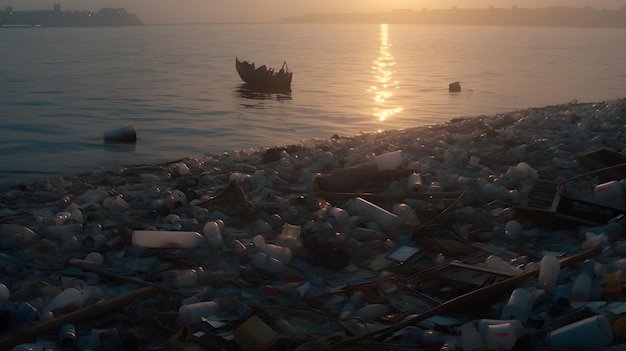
{"x":367,"y":210}
{"x":581,"y":289}
{"x":549,"y":269}
{"x":518,"y":306}
{"x":267,"y":263}
{"x":213,"y":235}
{"x":496,"y":263}
{"x":281,"y":253}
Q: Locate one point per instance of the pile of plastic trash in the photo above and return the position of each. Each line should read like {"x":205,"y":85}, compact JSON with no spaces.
{"x":491,"y":233}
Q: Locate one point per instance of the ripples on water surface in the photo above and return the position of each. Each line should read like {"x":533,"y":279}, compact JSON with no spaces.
{"x":177,"y":85}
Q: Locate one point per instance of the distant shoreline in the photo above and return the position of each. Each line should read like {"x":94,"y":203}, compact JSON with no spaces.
{"x":544,"y":17}
{"x":105,"y":17}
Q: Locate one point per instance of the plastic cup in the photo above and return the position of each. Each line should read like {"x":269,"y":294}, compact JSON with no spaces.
{"x":388,"y":161}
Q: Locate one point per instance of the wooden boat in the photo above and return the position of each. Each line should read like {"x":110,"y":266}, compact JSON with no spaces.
{"x":263,"y":78}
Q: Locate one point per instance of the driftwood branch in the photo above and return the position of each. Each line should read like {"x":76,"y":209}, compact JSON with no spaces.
{"x":88,"y":266}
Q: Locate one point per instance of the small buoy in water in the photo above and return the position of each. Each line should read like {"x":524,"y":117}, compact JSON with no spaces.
{"x":454,"y":87}
{"x":121,"y":135}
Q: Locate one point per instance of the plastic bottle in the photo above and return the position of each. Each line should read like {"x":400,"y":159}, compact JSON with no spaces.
{"x":213,"y":235}
{"x":167,"y":239}
{"x":469,"y":337}
{"x":281,"y":253}
{"x":193,"y":313}
{"x":13,"y":234}
{"x":367,"y":210}
{"x":518,"y":306}
{"x":64,"y":298}
{"x":513,"y":230}
{"x":581,"y":289}
{"x":267,"y":263}
{"x":414,"y":183}
{"x":355,"y":302}
{"x":549,"y":269}
{"x":592,"y":333}
{"x":496,"y":263}
{"x":67,"y":337}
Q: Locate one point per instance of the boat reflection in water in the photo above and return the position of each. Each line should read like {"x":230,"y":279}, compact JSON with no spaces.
{"x":383,"y":84}
{"x":247,"y":92}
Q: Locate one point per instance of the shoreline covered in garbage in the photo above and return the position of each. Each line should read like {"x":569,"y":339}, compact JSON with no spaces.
{"x":490,"y":232}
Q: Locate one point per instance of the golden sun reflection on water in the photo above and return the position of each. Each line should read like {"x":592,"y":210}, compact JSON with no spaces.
{"x":383,"y":84}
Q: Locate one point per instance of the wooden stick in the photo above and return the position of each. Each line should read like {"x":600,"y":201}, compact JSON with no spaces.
{"x":89,"y":266}
{"x":21,"y":336}
{"x":473,"y":297}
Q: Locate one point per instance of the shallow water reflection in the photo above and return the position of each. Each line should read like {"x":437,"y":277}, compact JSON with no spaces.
{"x":383,"y":84}
{"x":243,"y":91}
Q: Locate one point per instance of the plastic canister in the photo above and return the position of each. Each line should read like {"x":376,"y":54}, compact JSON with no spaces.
{"x":549,"y":269}
{"x":592,"y":333}
{"x":518,"y":306}
{"x":502,"y":336}
{"x":469,"y":337}
{"x":496,"y":263}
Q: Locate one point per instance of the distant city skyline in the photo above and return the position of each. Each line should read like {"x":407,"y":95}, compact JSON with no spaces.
{"x":243,"y":11}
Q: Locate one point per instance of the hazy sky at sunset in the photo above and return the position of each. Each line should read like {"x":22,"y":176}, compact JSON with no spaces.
{"x":193,"y":11}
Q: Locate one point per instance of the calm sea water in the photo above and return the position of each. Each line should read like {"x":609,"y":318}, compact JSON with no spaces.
{"x":62,"y":88}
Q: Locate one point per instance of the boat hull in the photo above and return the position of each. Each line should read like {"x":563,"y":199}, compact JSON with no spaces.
{"x":263,"y":79}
